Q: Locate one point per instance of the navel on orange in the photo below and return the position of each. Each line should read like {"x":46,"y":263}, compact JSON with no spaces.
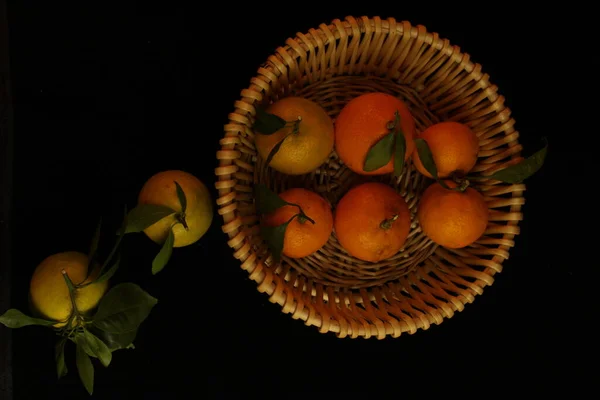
{"x":454,"y":147}
{"x":302,"y":238}
{"x":363,"y":122}
{"x":452,"y":218}
{"x":372,"y":221}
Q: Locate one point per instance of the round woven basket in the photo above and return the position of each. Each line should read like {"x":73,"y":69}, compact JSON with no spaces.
{"x":423,"y":284}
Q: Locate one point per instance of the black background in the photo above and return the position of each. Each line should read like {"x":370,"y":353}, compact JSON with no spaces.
{"x":105,"y":97}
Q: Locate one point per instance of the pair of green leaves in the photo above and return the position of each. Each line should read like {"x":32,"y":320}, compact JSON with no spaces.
{"x":114,"y":326}
{"x":146,"y":215}
{"x":514,"y":174}
{"x":267,"y":202}
{"x":267,"y":124}
{"x":392,"y":144}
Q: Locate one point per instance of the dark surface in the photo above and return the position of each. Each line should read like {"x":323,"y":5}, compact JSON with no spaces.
{"x":102,"y":103}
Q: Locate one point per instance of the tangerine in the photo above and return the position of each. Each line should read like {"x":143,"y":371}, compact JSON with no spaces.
{"x":454,"y":147}
{"x":372,"y":221}
{"x":302,"y":237}
{"x":452,"y":218}
{"x":308,"y":136}
{"x":363,"y":122}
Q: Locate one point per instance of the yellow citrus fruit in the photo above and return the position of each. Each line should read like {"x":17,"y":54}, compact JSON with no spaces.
{"x":160,"y":189}
{"x":49,"y":292}
{"x":372,"y":221}
{"x":304,"y":151}
{"x":452,"y":218}
{"x":454,"y":147}
{"x":363,"y":122}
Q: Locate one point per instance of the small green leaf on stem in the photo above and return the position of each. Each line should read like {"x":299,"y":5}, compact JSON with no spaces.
{"x":85,"y":369}
{"x":97,"y":347}
{"x":145,"y":215}
{"x":14,"y":318}
{"x":426,"y":157}
{"x":267,"y":201}
{"x":59,"y":357}
{"x":163,"y":256}
{"x":274,"y":150}
{"x":266,"y":123}
{"x":519,"y":172}
{"x":400,"y":152}
{"x":109,"y":274}
{"x":181,"y":197}
{"x":123,"y":309}
{"x":274,"y":236}
{"x":380,"y":154}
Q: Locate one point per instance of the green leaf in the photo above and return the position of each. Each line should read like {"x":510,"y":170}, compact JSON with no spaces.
{"x":426,"y":157}
{"x":14,"y":318}
{"x":116,"y":341}
{"x":519,"y":172}
{"x":267,"y":201}
{"x":380,"y":154}
{"x":59,"y":357}
{"x":98,"y":348}
{"x":163,"y":256}
{"x":181,"y":197}
{"x":145,"y":215}
{"x":109,"y":274}
{"x":266,"y":123}
{"x":85,"y":369}
{"x":274,"y":236}
{"x":400,"y":152}
{"x":275,"y":149}
{"x":123,"y":309}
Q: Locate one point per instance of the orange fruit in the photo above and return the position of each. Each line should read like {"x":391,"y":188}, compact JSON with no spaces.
{"x":160,"y":189}
{"x":363,"y":122}
{"x":372,"y":221}
{"x":451,"y":218}
{"x":454,"y":147}
{"x":302,"y":238}
{"x":304,"y":151}
{"x":49,"y":292}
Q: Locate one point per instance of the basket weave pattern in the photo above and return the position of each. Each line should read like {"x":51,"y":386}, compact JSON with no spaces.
{"x":424,"y":283}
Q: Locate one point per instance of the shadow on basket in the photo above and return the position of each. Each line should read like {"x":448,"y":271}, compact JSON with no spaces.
{"x":370,"y":178}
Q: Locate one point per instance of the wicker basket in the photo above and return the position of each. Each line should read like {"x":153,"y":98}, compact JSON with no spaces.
{"x":424,"y":283}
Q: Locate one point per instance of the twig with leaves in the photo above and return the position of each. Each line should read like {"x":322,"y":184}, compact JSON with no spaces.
{"x":267,"y":124}
{"x":392,"y":144}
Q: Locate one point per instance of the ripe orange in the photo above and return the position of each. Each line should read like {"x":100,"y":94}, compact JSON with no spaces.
{"x":372,"y":221}
{"x":304,"y":151}
{"x":160,"y":189}
{"x":454,"y":147}
{"x":49,"y":292}
{"x":302,"y":238}
{"x":363,"y":122}
{"x":451,"y":218}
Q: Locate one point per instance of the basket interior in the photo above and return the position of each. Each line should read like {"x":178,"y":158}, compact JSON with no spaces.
{"x":423,"y":283}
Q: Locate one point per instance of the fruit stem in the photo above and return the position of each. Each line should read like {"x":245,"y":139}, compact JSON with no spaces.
{"x":181,"y":218}
{"x":296,"y":127}
{"x":464,"y":184}
{"x":71,"y":287}
{"x":387,"y":223}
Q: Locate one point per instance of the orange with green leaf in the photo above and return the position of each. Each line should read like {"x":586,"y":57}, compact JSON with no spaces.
{"x":293,"y":135}
{"x":295,"y":223}
{"x":174,"y":210}
{"x":69,"y":293}
{"x":374,"y":134}
{"x":451,"y":212}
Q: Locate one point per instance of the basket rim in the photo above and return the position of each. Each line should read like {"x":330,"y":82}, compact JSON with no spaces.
{"x":268,"y":281}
